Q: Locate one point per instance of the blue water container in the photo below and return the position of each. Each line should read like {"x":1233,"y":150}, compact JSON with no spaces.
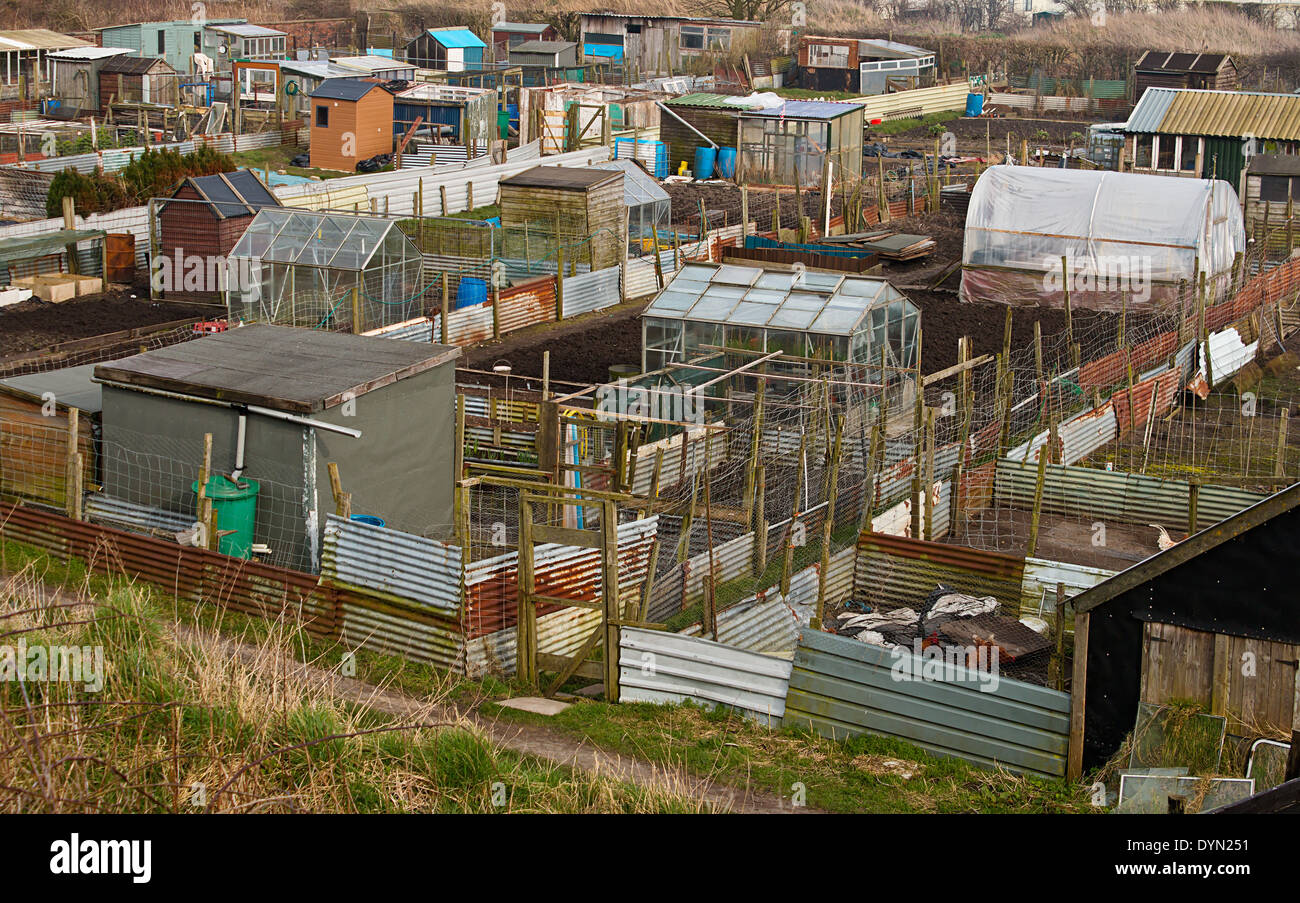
{"x":471,"y":291}
{"x":704,"y":160}
{"x":974,"y":104}
{"x":727,"y":162}
{"x":369,"y":519}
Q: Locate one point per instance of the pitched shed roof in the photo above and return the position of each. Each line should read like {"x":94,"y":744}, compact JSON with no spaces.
{"x":562,"y":177}
{"x":1164,"y":61}
{"x":133,"y":65}
{"x":296,"y":370}
{"x":1274,"y":165}
{"x":456,"y":37}
{"x":344,"y":88}
{"x":238,"y":193}
{"x":1229,"y":114}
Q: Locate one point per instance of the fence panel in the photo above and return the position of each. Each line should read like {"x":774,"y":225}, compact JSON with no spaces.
{"x":671,"y":668}
{"x":842,"y":687}
{"x":391,"y":565}
{"x":591,"y":291}
{"x":894,"y":571}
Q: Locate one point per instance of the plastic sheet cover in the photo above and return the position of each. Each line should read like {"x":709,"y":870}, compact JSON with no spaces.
{"x":1128,"y":239}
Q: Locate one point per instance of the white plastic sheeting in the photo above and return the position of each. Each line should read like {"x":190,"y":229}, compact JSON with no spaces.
{"x":1126,"y":231}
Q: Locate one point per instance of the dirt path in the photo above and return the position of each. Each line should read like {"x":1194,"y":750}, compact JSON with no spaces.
{"x":529,"y":739}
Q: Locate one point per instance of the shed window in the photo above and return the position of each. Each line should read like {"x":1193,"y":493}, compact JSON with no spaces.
{"x":322,"y":116}
{"x":162,"y":42}
{"x":1165,"y":151}
{"x":1190,"y":147}
{"x":1274,"y":188}
{"x":833,"y":55}
{"x":1142,"y":146}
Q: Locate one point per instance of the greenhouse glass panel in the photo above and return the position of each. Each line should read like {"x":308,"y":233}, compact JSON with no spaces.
{"x":328,"y":271}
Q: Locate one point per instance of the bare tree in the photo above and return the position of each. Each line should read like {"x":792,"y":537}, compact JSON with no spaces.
{"x":747,"y":10}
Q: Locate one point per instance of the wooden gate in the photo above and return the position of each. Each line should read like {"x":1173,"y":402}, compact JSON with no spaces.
{"x":543,"y":518}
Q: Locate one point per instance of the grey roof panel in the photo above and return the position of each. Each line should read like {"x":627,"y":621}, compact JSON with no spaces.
{"x":1150,"y":110}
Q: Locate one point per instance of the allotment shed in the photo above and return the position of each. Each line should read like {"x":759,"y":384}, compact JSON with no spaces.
{"x":281,"y":404}
{"x":133,"y":79}
{"x":205,"y":217}
{"x":584,"y":206}
{"x":351,"y":121}
{"x":1272,"y":197}
{"x":1164,"y":69}
{"x":447,"y":49}
{"x":694,"y":120}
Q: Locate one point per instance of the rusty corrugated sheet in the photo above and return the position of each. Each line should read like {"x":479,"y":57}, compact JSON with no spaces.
{"x":1113,"y":368}
{"x":467,"y":325}
{"x":527,"y":304}
{"x":565,"y":572}
{"x":1132,"y":417}
{"x":894,"y":571}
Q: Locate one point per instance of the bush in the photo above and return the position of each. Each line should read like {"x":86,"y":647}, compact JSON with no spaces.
{"x":154,"y":173}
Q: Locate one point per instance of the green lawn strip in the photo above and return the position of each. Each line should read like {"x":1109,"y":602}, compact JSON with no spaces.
{"x":866,"y":774}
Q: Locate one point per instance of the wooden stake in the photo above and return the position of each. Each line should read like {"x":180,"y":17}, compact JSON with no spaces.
{"x":787,"y":562}
{"x":828,"y":525}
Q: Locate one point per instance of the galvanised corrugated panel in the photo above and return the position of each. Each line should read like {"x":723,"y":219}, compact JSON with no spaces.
{"x":591,"y":291}
{"x":559,"y":633}
{"x":726,"y":562}
{"x":1079,"y":436}
{"x":1101,"y":494}
{"x":391,"y":565}
{"x":1231,"y":114}
{"x":136,"y":518}
{"x":467,"y":325}
{"x":419,"y":329}
{"x":671,"y":668}
{"x":896,"y":571}
{"x":394,"y":633}
{"x":1038,"y":597}
{"x":842,"y":687}
{"x":641,"y":278}
{"x":759,"y":624}
{"x":1150,"y":109}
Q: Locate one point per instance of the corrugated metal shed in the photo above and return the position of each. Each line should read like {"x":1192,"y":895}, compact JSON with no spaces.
{"x":1230,"y":114}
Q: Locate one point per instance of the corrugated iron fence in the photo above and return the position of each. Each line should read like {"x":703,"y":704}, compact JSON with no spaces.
{"x":896,"y":571}
{"x":670,"y":668}
{"x":841,"y":687}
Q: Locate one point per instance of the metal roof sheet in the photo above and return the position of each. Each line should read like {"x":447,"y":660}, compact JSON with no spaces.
{"x":89,"y":53}
{"x":703,"y":100}
{"x":521,"y":27}
{"x":805,"y":109}
{"x":371,"y":63}
{"x":246,"y":30}
{"x":1150,"y":110}
{"x":543,"y":47}
{"x":456,"y":37}
{"x":1229,"y":114}
{"x":38,"y":39}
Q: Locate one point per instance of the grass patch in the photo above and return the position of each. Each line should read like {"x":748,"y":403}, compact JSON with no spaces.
{"x":899,"y":126}
{"x":183,"y":725}
{"x":861,"y":774}
{"x":814,"y":94}
{"x":277,"y":159}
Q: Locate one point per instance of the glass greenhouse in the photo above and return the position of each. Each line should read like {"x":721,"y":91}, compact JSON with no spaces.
{"x":324,"y":271}
{"x":806,"y":315}
{"x":649,"y":209}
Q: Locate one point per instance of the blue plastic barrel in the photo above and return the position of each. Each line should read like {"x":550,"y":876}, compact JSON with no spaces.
{"x":704,"y":159}
{"x":368,"y":519}
{"x":470,"y":291}
{"x":974,"y":104}
{"x":727,"y":162}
